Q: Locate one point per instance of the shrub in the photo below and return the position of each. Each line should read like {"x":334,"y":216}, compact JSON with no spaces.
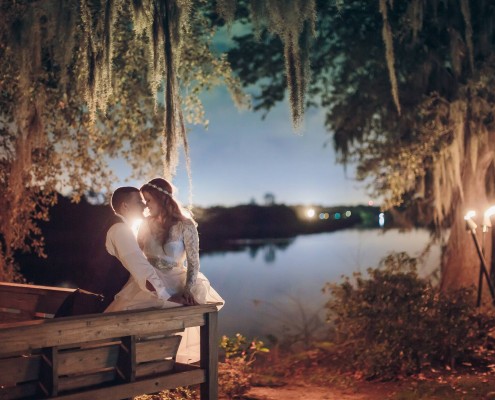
{"x":181,"y":393}
{"x":235,"y":373}
{"x":392,"y":322}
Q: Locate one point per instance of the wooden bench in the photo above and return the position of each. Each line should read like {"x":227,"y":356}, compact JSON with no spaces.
{"x":98,"y":356}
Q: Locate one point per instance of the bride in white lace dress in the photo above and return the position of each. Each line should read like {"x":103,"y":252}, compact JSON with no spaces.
{"x":169,"y":239}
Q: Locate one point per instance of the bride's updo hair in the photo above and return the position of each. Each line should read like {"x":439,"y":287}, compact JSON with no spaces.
{"x":171,"y":211}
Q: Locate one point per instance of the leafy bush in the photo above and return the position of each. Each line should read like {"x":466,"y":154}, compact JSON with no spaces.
{"x":235,"y":373}
{"x":392,"y":322}
{"x":181,"y":393}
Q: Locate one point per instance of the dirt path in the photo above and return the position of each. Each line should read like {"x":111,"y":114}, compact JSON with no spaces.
{"x":467,"y":387}
{"x":303,"y":393}
{"x":303,"y":389}
{"x":298,"y":382}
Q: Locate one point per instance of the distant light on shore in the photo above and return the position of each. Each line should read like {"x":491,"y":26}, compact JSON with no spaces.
{"x":310,"y":212}
{"x":381,"y":219}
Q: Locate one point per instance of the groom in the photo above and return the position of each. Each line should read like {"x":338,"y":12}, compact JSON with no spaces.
{"x":118,"y":258}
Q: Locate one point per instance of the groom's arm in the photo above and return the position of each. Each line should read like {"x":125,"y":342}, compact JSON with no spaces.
{"x":122,"y":244}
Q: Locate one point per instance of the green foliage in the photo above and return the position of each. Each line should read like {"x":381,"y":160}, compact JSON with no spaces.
{"x":75,"y":92}
{"x":239,"y":347}
{"x":181,"y":393}
{"x":235,"y":373}
{"x":392,"y":322}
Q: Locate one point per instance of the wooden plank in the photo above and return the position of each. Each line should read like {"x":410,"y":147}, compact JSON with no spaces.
{"x":209,"y":357}
{"x":89,"y":345}
{"x":154,"y":368}
{"x":50,"y":303}
{"x":158,"y":335}
{"x":88,"y":380}
{"x":151,"y":385}
{"x":157,"y":349}
{"x":9,"y":310}
{"x":28,"y":390}
{"x":19,"y":369}
{"x":48,"y":376}
{"x":42,"y":299}
{"x":8,"y":318}
{"x":181,"y":367}
{"x":25,"y":336}
{"x":24,"y":302}
{"x":123,"y":315}
{"x":88,"y":359}
{"x":25,"y":288}
{"x":126,"y":361}
{"x":51,"y":296}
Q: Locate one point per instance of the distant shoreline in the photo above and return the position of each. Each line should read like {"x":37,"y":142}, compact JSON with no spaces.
{"x":67,"y":234}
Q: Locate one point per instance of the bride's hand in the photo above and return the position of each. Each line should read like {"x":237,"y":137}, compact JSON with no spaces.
{"x":189,"y":298}
{"x":177,"y":298}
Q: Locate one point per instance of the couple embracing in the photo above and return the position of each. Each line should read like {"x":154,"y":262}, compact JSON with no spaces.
{"x":163,"y":262}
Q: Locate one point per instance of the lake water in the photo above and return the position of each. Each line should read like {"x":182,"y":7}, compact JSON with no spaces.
{"x":273,"y":286}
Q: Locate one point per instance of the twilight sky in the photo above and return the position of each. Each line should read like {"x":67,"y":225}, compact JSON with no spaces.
{"x":241,"y":157}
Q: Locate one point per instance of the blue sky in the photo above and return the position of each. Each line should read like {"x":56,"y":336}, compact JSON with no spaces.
{"x":240,"y":157}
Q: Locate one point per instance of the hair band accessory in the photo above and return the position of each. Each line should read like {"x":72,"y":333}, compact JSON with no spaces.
{"x":159,"y":188}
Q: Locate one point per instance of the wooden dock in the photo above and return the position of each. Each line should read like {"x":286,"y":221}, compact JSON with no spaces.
{"x":98,"y":356}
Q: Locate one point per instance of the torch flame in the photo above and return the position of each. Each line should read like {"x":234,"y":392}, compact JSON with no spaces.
{"x":469,"y":215}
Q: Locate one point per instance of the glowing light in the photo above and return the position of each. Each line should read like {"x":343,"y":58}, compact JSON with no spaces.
{"x":337,"y":216}
{"x":469,"y":220}
{"x":490,"y":211}
{"x":327,"y":215}
{"x":322,"y":215}
{"x":371,"y":202}
{"x":135,"y":225}
{"x":348,"y":214}
{"x":310,"y":212}
{"x":470,"y":214}
{"x":381,"y":220}
{"x":488,"y":214}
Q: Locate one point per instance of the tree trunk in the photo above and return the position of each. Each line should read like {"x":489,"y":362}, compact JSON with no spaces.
{"x":460,"y":261}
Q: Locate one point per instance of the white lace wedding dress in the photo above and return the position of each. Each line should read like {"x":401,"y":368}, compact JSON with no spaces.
{"x":177,"y":264}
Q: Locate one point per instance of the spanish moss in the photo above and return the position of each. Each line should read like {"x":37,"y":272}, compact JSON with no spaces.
{"x":294,"y":22}
{"x":389,"y":52}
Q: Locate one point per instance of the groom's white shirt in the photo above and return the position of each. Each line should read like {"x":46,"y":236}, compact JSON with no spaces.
{"x":121,"y":243}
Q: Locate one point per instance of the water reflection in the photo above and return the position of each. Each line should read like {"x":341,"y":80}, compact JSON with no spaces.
{"x":271,"y":287}
{"x":268,"y":248}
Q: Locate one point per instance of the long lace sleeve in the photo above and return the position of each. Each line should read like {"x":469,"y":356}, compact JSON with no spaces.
{"x":191,"y":243}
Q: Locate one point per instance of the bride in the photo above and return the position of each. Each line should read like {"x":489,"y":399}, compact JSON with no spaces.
{"x":169,"y":238}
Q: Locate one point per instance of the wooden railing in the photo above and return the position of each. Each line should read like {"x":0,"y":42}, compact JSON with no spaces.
{"x":98,"y":356}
